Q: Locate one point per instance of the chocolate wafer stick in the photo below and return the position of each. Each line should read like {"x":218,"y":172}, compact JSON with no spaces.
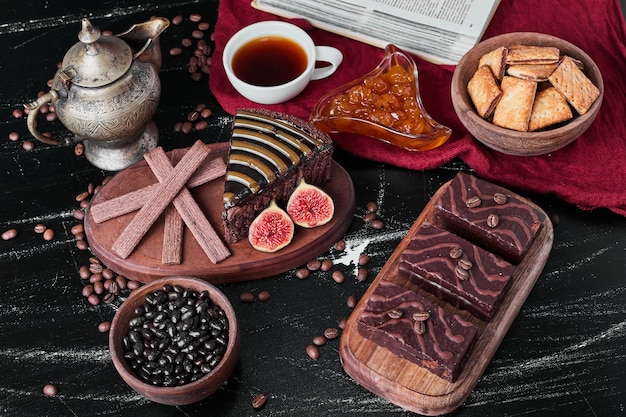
{"x":127,"y":203}
{"x":194,"y":218}
{"x":172,"y":251}
{"x":169,"y":187}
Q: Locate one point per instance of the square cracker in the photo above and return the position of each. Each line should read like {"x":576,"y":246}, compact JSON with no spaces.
{"x":484,"y":91}
{"x":513,"y":110}
{"x":549,"y":108}
{"x":496,"y":60}
{"x":569,"y":79}
{"x":533,"y":72}
{"x":530,"y":54}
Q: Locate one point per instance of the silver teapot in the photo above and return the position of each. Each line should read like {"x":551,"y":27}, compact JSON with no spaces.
{"x":106,"y":93}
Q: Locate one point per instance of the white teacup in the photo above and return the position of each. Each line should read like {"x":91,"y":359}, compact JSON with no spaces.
{"x":277,"y":90}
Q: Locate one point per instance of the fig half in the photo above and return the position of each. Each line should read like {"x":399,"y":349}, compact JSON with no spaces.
{"x":271,"y":230}
{"x":310,"y":206}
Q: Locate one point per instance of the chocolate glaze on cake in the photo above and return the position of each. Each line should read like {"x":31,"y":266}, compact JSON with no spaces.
{"x":488,"y":216}
{"x":455,"y":270}
{"x":390,"y":319}
{"x":270,"y":153}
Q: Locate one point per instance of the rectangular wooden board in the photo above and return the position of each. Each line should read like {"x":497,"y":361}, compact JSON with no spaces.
{"x":407,"y":384}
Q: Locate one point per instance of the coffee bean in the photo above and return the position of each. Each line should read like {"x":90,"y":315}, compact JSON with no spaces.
{"x":14,"y":136}
{"x":473,"y":202}
{"x":93,"y":299}
{"x":104,"y":327}
{"x":133,"y":285}
{"x":113,"y":288}
{"x":82,"y":245}
{"x":108,"y":298}
{"x":78,"y":214}
{"x":461,"y":273}
{"x":95,"y":260}
{"x":493,"y":220}
{"x":51,"y":117}
{"x":314,"y":265}
{"x":177,"y":20}
{"x":79,"y":149}
{"x":499,"y":198}
{"x":40,"y":228}
{"x":395,"y":313}
{"x":331,"y":333}
{"x":364,"y":260}
{"x":340,"y":245}
{"x":18,"y":113}
{"x":264,"y":295}
{"x":377,"y":224}
{"x":302,"y":273}
{"x":107,"y":273}
{"x":98,"y":287}
{"x":338,"y":277}
{"x":176,"y":51}
{"x":121,"y":282}
{"x":82,"y":196}
{"x":351,"y":301}
{"x":246,"y":297}
{"x":77,"y":228}
{"x":420,"y":327}
{"x":206,"y":113}
{"x":371,"y":207}
{"x":79,"y":236}
{"x":342,"y":322}
{"x":187,"y":127}
{"x":327,"y":265}
{"x":204,"y":25}
{"x":319,"y":340}
{"x":50,"y":390}
{"x":84,"y":272}
{"x":193,"y":116}
{"x":93,"y":278}
{"x":95,"y":268}
{"x":87,"y":290}
{"x":196,"y":76}
{"x":195,"y":17}
{"x":28,"y":145}
{"x":362,"y":274}
{"x":84,"y":204}
{"x":48,"y":234}
{"x":9,"y":234}
{"x":313,"y":352}
{"x":201,"y":125}
{"x":456,"y":252}
{"x":421,"y":316}
{"x":259,"y":401}
{"x":465,"y":264}
{"x":197,"y":34}
{"x":186,"y":42}
{"x":369,"y":217}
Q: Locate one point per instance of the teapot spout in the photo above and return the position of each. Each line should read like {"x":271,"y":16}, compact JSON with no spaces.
{"x":144,"y":39}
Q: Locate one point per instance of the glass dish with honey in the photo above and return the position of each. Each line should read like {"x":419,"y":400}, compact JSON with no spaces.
{"x":384,"y":104}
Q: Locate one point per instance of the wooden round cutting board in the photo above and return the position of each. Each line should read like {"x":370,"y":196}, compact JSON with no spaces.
{"x":245,"y":263}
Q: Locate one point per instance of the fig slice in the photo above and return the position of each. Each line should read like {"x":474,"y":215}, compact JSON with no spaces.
{"x":271,"y":230}
{"x":309,"y":206}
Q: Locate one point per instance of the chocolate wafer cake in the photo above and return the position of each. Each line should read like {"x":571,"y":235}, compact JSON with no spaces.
{"x":270,"y":153}
{"x":455,"y":270}
{"x":489,"y":216}
{"x":417,"y":329}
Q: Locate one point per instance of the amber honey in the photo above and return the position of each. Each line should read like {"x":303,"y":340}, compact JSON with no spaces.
{"x":269,"y":61}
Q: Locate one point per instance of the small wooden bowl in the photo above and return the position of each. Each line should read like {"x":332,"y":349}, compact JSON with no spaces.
{"x":510,"y":141}
{"x":183,"y":394}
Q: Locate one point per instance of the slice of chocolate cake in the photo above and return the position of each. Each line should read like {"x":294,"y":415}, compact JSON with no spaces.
{"x":455,"y":270}
{"x":270,"y":153}
{"x":416,"y":329}
{"x":489,"y":216}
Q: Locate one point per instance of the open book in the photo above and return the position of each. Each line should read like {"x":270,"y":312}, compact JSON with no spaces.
{"x":440,"y":31}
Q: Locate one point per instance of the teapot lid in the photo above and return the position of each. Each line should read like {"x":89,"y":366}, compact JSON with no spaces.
{"x":96,"y":60}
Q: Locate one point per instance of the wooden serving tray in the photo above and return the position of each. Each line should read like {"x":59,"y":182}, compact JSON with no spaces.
{"x":415,"y":388}
{"x":245,"y":263}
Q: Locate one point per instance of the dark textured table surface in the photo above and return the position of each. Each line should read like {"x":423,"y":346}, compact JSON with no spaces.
{"x":564,"y":354}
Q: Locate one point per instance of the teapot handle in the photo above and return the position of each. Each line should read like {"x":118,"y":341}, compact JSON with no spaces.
{"x":31,"y":122}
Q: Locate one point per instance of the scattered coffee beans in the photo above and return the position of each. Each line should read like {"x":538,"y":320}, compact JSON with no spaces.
{"x":302,"y":273}
{"x":338,"y":277}
{"x":246,"y":297}
{"x":362,"y":274}
{"x":351,"y":301}
{"x":180,"y":336}
{"x":319,"y":340}
{"x":264,"y":296}
{"x":40,"y":228}
{"x":259,"y":401}
{"x":340,"y":245}
{"x":313,"y":352}
{"x":371,"y":207}
{"x":50,"y":390}
{"x":327,"y":264}
{"x":331,"y":333}
{"x":314,"y":265}
{"x":9,"y":234}
{"x":48,"y":234}
{"x":377,"y":224}
{"x":104,"y":327}
{"x":14,"y":136}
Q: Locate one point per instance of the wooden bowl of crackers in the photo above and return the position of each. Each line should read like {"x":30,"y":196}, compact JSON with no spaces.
{"x":526,"y":93}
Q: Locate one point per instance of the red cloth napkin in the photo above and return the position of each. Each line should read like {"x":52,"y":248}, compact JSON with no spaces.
{"x":590,"y":172}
